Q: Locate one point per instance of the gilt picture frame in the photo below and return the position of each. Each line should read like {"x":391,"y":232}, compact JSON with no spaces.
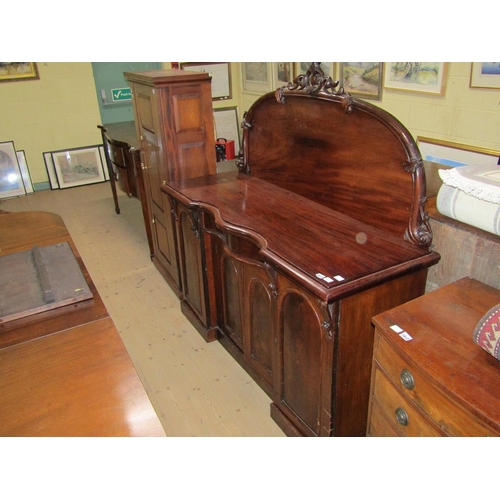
{"x":485,"y":75}
{"x":454,"y":154}
{"x":422,"y":77}
{"x":11,"y":181}
{"x":282,"y":73}
{"x":256,"y":77}
{"x":18,"y":71}
{"x":221,"y":77}
{"x":362,"y":79}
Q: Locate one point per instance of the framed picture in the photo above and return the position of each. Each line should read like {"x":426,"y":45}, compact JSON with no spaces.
{"x":226,"y":125}
{"x":17,"y":71}
{"x":282,"y":73}
{"x":103,"y":161}
{"x":362,"y":79}
{"x":423,"y":77}
{"x":25,"y":173}
{"x":78,"y":167}
{"x":454,"y":154}
{"x":485,"y":75}
{"x":328,"y":69}
{"x":256,"y":77}
{"x":51,"y":171}
{"x":221,"y":77}
{"x":11,"y":181}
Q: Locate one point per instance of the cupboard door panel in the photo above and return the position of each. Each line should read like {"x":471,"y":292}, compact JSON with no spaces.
{"x":231,"y":301}
{"x":191,"y":158}
{"x":193,"y":143}
{"x":301,"y":358}
{"x":187,"y":110}
{"x":192,"y":267}
{"x":261,"y":320}
{"x":150,"y":139}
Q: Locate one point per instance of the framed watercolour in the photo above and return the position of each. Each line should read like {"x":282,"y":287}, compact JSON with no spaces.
{"x":78,"y":167}
{"x":282,"y":73}
{"x":18,"y":71}
{"x":226,"y":125}
{"x":11,"y":181}
{"x":423,"y":77}
{"x":25,"y":173}
{"x":454,"y":154}
{"x":221,"y":77}
{"x":485,"y":75}
{"x":256,"y":77}
{"x":362,"y":79}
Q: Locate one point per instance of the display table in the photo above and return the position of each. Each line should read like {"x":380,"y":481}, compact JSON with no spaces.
{"x":66,"y":372}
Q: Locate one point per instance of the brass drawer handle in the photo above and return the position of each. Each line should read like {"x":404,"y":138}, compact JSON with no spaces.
{"x":401,"y":416}
{"x":407,"y":380}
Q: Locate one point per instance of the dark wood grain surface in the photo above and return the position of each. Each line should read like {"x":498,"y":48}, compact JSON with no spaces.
{"x":300,"y":235}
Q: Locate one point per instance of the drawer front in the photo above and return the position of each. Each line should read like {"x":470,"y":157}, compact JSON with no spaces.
{"x":378,"y":425}
{"x":405,"y":419}
{"x":453,"y":419}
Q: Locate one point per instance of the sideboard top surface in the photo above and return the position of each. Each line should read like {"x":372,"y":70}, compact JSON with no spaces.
{"x":331,"y":251}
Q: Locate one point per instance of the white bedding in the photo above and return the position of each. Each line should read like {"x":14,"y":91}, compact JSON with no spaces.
{"x":471,"y":194}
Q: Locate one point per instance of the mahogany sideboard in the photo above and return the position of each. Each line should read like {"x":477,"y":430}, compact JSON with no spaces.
{"x":429,"y":377}
{"x":286,"y":261}
{"x":65,"y":371}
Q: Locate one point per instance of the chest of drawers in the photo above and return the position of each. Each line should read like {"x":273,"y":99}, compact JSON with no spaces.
{"x":429,"y":378}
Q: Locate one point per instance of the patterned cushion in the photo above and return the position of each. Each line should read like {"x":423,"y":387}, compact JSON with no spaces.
{"x":487,"y":332}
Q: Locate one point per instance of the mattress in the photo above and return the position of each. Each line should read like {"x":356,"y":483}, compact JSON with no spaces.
{"x":471,"y":194}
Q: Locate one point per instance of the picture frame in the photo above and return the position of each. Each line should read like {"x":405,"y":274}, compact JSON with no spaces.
{"x":454,"y":154}
{"x":256,"y":77}
{"x":18,"y":71}
{"x":11,"y":181}
{"x":282,"y":73}
{"x":227,"y":125}
{"x":362,"y":79}
{"x":51,"y":171}
{"x":104,"y":164}
{"x":221,"y":77}
{"x":328,"y":69}
{"x":25,"y":173}
{"x":485,"y":75}
{"x":78,"y":166}
{"x":422,"y":77}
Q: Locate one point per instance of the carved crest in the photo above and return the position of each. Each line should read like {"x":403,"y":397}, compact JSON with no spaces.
{"x":315,"y":82}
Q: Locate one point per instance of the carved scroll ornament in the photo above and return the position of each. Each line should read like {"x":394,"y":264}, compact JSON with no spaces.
{"x":315,"y":82}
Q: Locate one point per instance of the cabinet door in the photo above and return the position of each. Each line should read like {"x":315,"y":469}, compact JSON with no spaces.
{"x":246,"y":304}
{"x":164,"y":238}
{"x":191,"y":140}
{"x":304,"y":360}
{"x":191,"y":251}
{"x":148,"y":126}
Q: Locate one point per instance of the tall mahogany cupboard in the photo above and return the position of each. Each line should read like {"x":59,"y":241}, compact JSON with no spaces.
{"x":174,"y":122}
